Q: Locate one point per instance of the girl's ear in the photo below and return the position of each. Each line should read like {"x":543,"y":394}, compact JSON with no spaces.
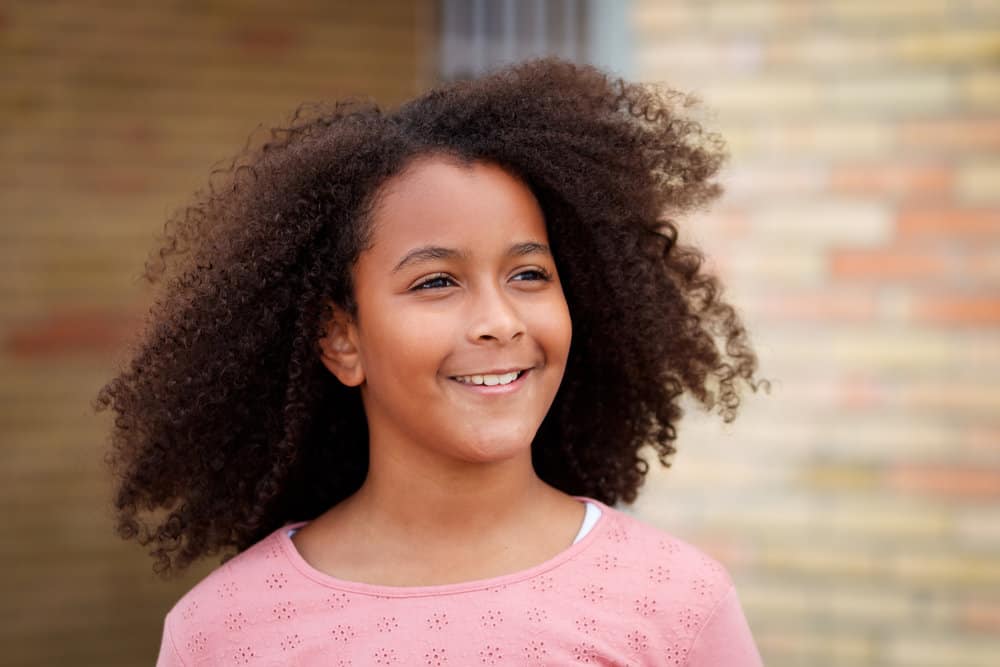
{"x":340,"y":350}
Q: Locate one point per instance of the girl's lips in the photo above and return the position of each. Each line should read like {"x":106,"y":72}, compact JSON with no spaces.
{"x":497,"y":388}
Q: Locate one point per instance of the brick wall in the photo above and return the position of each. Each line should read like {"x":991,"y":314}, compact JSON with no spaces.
{"x":112,"y":114}
{"x":858,"y":506}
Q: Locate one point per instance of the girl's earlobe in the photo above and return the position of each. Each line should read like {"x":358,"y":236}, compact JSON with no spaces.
{"x":340,"y":352}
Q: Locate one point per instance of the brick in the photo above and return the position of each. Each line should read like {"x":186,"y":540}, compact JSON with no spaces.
{"x":978,"y":183}
{"x":951,"y":135}
{"x":888,"y":264}
{"x":805,"y":646}
{"x":978,"y":528}
{"x":950,"y":481}
{"x":897,"y":180}
{"x":899,"y":94}
{"x":859,"y":13}
{"x":70,"y":331}
{"x":822,"y":222}
{"x":746,"y":181}
{"x":981,"y":9}
{"x":814,"y":306}
{"x":873,"y":437}
{"x":823,"y":50}
{"x":980,"y":616}
{"x":974,"y":224}
{"x":912,"y":647}
{"x":949,"y":46}
{"x":911,"y":48}
{"x":885,"y":350}
{"x":983,"y":440}
{"x":840,"y":477}
{"x":927,"y":396}
{"x":958,"y":310}
{"x":980,"y":90}
{"x":927,"y":567}
{"x":805,"y":561}
{"x":849,"y":515}
{"x":867,"y":606}
{"x":818,"y":138}
{"x":732,"y":55}
{"x":738,"y":262}
{"x":707,"y":227}
{"x":272,"y":40}
{"x":650,"y":20}
{"x":769,"y":95}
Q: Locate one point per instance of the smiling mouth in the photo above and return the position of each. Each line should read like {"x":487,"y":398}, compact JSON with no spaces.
{"x":490,"y":380}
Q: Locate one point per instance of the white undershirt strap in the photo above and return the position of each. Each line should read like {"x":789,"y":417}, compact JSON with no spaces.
{"x":593,"y":513}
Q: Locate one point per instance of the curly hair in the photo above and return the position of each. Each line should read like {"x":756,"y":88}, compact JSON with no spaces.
{"x":227,"y":423}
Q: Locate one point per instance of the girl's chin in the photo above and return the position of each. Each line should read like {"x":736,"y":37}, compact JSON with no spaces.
{"x":494,"y":451}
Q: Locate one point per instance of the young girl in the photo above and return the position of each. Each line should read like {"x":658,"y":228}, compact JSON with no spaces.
{"x":405,"y":367}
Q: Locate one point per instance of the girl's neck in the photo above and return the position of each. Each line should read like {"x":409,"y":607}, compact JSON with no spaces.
{"x":424,"y":540}
{"x":449,"y":507}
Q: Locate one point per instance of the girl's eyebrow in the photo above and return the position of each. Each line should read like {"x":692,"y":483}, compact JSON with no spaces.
{"x":431,"y":252}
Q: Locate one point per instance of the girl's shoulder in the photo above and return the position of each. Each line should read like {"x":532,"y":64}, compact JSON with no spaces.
{"x":246,"y":577}
{"x":654,"y":545}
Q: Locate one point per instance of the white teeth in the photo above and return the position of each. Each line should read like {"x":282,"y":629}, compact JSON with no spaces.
{"x":489,"y":380}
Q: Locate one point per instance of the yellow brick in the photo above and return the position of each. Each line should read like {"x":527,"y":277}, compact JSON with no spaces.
{"x":860,"y":603}
{"x":875,"y":350}
{"x":860,"y":518}
{"x":945,"y":569}
{"x":804,"y":647}
{"x":819,"y":223}
{"x":699,"y":54}
{"x":786,"y":95}
{"x":948,"y":46}
{"x":793,"y":140}
{"x":865,"y":11}
{"x":841,"y":478}
{"x":921,"y":92}
{"x":818,"y":563}
{"x":913,"y":648}
{"x":979,"y":183}
{"x":981,"y":90}
{"x":787,"y":268}
{"x":652,"y":19}
{"x":978,"y":528}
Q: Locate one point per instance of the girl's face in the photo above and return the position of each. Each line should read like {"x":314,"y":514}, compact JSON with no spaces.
{"x":458,"y":283}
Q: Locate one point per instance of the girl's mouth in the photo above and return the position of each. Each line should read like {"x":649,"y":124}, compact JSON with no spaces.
{"x":493,"y":384}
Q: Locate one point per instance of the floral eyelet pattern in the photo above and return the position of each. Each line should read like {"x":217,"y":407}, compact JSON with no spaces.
{"x":630,"y":594}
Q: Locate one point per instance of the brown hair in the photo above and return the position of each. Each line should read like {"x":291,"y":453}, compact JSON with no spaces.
{"x":228,"y":422}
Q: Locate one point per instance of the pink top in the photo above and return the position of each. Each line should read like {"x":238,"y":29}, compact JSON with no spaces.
{"x":625,"y":594}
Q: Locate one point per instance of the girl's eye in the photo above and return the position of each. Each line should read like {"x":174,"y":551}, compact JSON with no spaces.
{"x":541,"y":274}
{"x":433,"y":282}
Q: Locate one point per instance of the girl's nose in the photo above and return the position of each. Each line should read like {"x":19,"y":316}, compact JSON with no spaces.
{"x":494,"y":317}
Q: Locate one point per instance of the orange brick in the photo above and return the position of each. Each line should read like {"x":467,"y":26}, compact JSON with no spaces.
{"x":895,"y":179}
{"x":983,"y":439}
{"x":958,"y":309}
{"x":981,"y":616}
{"x":880,"y":264}
{"x":860,"y":393}
{"x":272,"y":40}
{"x":948,"y":222}
{"x":950,"y":135}
{"x":817,"y":307}
{"x":955,"y":481}
{"x":69,"y":331}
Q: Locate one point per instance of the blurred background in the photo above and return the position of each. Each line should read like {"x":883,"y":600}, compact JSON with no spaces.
{"x":857,"y":506}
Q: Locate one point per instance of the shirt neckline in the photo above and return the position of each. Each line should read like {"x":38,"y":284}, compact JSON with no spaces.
{"x":380,"y":590}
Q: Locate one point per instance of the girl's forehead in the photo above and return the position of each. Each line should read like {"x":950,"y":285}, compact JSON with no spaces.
{"x":473,"y":208}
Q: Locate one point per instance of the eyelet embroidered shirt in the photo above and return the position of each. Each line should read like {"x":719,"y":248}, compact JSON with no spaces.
{"x":625,"y":593}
